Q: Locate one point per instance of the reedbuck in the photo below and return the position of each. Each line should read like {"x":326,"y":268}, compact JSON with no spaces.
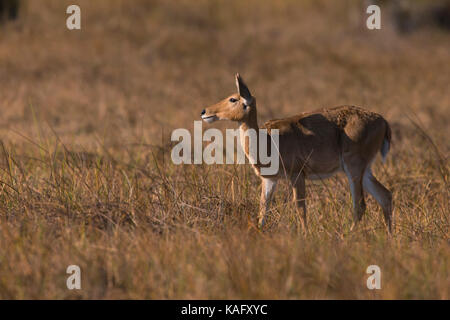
{"x":315,"y":145}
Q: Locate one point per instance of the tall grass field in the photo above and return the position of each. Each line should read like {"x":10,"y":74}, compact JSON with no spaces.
{"x":86,"y":176}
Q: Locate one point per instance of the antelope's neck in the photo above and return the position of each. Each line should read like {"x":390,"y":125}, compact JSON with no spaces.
{"x":251,"y":124}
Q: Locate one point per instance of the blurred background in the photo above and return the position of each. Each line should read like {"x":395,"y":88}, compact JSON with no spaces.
{"x":85,"y":171}
{"x":139,"y":66}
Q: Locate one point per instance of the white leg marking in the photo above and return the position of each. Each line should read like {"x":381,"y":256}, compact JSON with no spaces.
{"x":269,"y":188}
{"x":270,"y":185}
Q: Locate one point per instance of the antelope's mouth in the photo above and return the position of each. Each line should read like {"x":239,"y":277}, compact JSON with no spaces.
{"x":209,"y":119}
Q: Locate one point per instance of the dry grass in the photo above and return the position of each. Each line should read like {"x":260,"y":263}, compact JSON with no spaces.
{"x":85,"y":170}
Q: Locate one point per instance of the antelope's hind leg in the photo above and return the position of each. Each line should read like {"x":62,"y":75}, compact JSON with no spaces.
{"x":354,"y":170}
{"x":381,"y":194}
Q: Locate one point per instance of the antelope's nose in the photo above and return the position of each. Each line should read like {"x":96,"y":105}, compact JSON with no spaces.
{"x":203,"y":112}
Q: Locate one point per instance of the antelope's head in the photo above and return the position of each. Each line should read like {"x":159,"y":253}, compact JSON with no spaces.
{"x":240,"y":106}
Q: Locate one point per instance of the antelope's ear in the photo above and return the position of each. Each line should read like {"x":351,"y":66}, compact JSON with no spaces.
{"x":243,"y":89}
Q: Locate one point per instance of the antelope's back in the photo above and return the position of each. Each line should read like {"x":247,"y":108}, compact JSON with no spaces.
{"x":308,"y":142}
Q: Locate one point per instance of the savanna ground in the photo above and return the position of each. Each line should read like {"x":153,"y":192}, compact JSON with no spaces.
{"x":86,"y":176}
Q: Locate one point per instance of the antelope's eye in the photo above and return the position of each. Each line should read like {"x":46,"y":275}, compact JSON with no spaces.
{"x":233,"y":100}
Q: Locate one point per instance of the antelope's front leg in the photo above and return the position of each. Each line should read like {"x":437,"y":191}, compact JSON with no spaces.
{"x":267,"y":189}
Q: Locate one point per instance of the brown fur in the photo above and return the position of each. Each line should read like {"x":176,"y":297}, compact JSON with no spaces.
{"x":315,"y":145}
